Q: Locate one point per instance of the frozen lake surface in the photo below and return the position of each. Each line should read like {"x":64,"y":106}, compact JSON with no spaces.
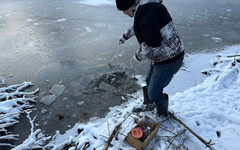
{"x":71,"y":42}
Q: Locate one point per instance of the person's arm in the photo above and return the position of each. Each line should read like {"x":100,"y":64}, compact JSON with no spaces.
{"x":127,"y":35}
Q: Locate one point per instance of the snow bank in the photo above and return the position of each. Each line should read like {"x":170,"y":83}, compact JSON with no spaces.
{"x":212,"y":108}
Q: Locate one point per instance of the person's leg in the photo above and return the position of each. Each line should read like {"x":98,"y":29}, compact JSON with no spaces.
{"x":162,"y":75}
{"x":148,"y":77}
{"x":145,"y":89}
{"x":160,"y":78}
{"x":149,"y":105}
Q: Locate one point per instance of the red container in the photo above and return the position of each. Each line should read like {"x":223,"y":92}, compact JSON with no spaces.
{"x":137,"y":132}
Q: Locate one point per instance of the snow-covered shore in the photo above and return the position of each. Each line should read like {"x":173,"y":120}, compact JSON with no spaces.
{"x":211,"y":109}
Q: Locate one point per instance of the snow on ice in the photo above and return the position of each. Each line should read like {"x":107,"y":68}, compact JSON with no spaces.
{"x":61,"y":20}
{"x":2,"y":80}
{"x":211,"y":109}
{"x":29,"y":20}
{"x":46,"y":22}
{"x":97,"y":2}
{"x":88,"y":29}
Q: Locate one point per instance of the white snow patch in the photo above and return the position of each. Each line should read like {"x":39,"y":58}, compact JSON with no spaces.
{"x":80,"y":103}
{"x":103,"y":25}
{"x":2,"y":80}
{"x":97,"y":2}
{"x":29,"y":20}
{"x":216,"y":39}
{"x":61,"y":20}
{"x":36,"y":23}
{"x":46,"y":22}
{"x":88,"y":29}
{"x":206,"y":35}
{"x":120,"y":55}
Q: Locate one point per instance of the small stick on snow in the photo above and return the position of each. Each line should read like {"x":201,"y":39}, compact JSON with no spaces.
{"x":172,"y":141}
{"x":108,"y":129}
{"x":207,"y":144}
{"x":115,"y":131}
{"x":229,"y":56}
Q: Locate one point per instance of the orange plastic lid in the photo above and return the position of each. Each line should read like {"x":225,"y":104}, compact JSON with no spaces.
{"x":137,"y":132}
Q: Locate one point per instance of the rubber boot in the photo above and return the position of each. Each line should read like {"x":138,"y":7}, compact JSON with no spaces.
{"x":162,"y":110}
{"x":145,"y":96}
{"x":148,"y":105}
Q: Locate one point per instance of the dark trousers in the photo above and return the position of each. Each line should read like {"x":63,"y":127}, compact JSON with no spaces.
{"x":158,"y":77}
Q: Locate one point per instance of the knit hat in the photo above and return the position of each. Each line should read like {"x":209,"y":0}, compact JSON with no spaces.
{"x":124,"y":4}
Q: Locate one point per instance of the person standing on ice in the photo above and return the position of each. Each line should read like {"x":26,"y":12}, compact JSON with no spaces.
{"x":159,"y":42}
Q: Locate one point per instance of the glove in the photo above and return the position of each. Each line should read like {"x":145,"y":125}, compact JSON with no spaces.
{"x":122,"y":40}
{"x":136,"y":58}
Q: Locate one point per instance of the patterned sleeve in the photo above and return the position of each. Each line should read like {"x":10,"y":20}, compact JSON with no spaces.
{"x":144,"y":51}
{"x":129,"y":33}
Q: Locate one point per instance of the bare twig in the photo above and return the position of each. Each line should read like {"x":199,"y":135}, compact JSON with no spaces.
{"x":234,"y":61}
{"x":7,"y":144}
{"x":104,"y":137}
{"x":9,"y":137}
{"x":170,"y":143}
{"x":99,"y":146}
{"x":174,"y":137}
{"x":8,"y":115}
{"x":180,"y":147}
{"x":110,"y":65}
{"x":167,"y":130}
{"x":108,"y":129}
{"x":122,"y":134}
{"x":115,"y":131}
{"x":230,"y":55}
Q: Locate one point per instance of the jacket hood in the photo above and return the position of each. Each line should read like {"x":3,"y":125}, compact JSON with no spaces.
{"x":142,"y":2}
{"x":139,"y":3}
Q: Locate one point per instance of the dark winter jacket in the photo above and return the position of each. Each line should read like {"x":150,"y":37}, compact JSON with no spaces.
{"x":155,"y":32}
